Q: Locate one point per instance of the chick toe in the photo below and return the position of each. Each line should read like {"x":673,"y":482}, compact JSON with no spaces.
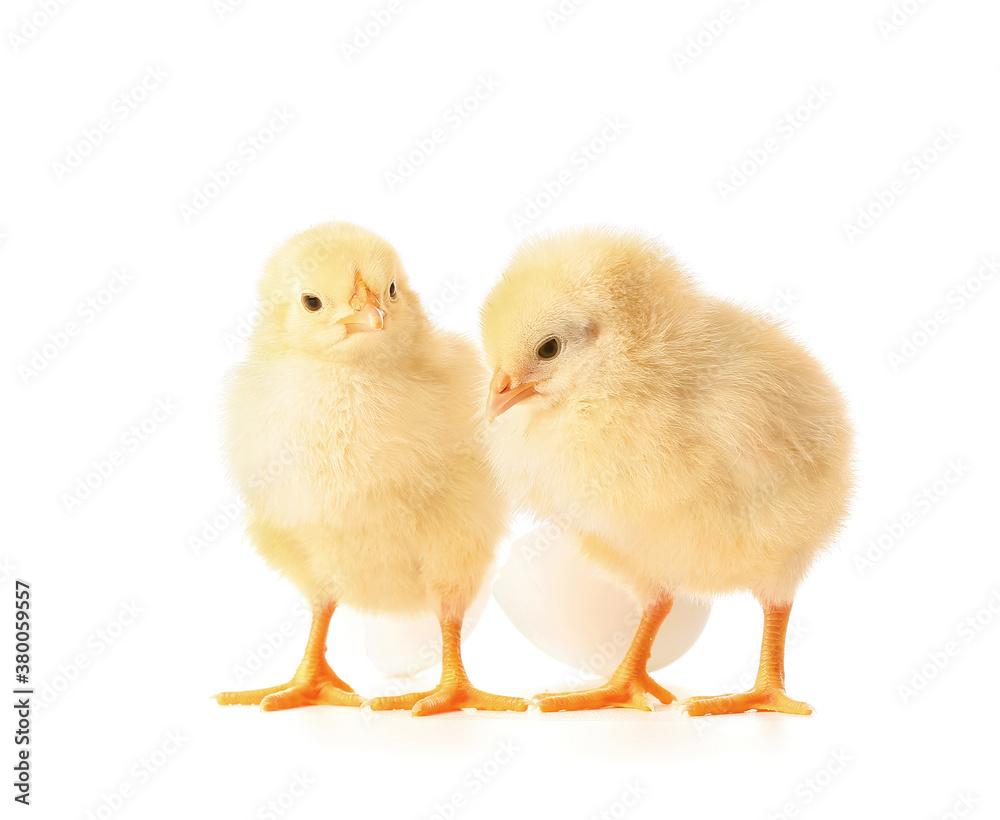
{"x":662,"y":694}
{"x":620,"y":692}
{"x":308,"y":687}
{"x":451,"y":697}
{"x":761,"y":700}
{"x":407,"y":701}
{"x":309,"y":694}
{"x":249,"y":697}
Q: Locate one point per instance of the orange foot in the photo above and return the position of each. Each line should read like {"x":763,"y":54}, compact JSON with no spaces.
{"x":450,"y":697}
{"x":620,"y":692}
{"x":319,"y":687}
{"x":763,"y":700}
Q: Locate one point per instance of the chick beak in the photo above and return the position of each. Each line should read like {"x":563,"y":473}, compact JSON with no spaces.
{"x":503,"y":395}
{"x":368,"y":314}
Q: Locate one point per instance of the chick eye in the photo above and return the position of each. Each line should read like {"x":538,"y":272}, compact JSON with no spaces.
{"x":311,"y":303}
{"x":549,"y":349}
{"x":392,"y":289}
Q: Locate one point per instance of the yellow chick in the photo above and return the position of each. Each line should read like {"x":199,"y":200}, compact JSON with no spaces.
{"x":692,"y":444}
{"x":353,"y":435}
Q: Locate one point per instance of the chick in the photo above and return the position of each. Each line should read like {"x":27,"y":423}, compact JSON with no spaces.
{"x":352,"y":432}
{"x":694,"y":446}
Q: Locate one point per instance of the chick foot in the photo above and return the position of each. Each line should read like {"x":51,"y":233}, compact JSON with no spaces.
{"x":321,"y":687}
{"x":454,"y":692}
{"x":630,"y":682}
{"x":450,"y":697}
{"x":763,"y":700}
{"x":314,"y":682}
{"x":622,"y":691}
{"x":333,"y":692}
{"x":768,"y":693}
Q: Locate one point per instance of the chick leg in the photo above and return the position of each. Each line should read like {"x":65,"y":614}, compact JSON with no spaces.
{"x":630,"y":682}
{"x":313,"y":683}
{"x":768,"y":693}
{"x":454,"y":692}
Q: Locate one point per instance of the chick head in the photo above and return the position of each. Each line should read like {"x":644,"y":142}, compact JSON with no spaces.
{"x":567,"y":307}
{"x":337,"y":290}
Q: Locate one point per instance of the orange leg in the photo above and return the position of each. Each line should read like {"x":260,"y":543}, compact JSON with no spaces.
{"x":313,"y":683}
{"x":768,"y":693}
{"x":630,"y":682}
{"x":454,"y":692}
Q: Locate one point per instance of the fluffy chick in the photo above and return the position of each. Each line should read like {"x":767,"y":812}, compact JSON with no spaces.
{"x":352,"y":431}
{"x":693,"y":444}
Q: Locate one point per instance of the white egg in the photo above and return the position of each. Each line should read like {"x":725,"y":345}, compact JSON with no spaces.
{"x":566,"y":607}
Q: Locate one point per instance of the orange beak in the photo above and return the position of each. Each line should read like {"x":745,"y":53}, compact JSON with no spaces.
{"x":503,"y":396}
{"x":368,"y":314}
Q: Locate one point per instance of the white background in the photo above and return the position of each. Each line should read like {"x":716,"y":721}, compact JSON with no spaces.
{"x":169,"y":335}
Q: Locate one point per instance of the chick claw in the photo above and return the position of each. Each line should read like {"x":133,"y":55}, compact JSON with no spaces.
{"x":320,"y":689}
{"x":450,"y":697}
{"x":763,"y":700}
{"x":619,"y":692}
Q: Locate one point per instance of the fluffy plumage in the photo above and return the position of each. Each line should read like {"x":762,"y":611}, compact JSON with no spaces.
{"x":358,"y":454}
{"x":695,"y":445}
